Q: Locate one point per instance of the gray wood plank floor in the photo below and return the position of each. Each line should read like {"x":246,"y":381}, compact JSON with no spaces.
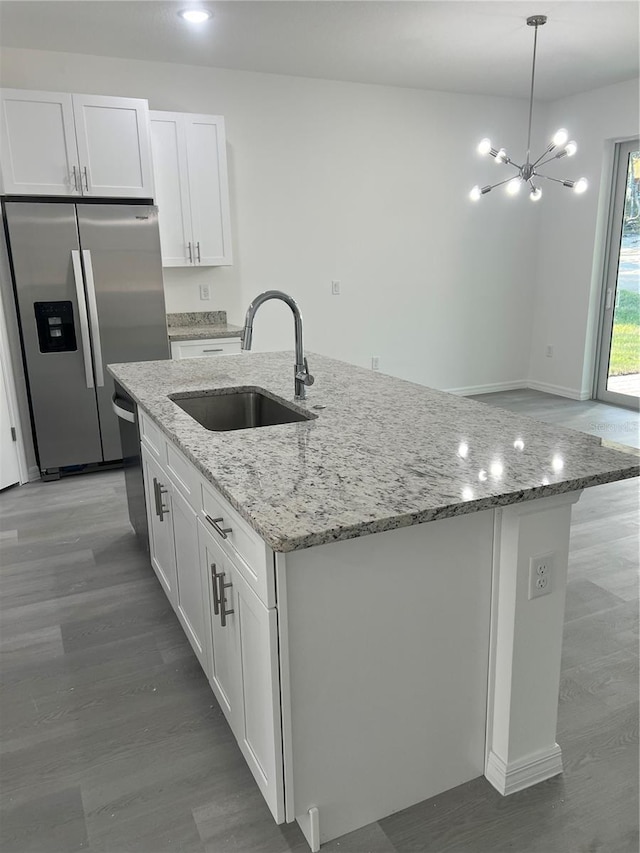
{"x":111,"y":739}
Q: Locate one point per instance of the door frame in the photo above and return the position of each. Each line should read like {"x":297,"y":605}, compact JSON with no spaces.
{"x":622,"y":148}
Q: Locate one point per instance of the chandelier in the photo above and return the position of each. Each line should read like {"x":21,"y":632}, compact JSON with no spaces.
{"x":528,"y":172}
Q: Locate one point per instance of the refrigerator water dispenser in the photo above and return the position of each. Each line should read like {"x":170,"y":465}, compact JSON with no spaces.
{"x":56,"y":332}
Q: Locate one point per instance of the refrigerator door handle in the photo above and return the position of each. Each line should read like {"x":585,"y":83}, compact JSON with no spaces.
{"x":93,"y":316}
{"x":82,"y":315}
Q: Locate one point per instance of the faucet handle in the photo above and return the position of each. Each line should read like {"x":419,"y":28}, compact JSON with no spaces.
{"x":302,"y":373}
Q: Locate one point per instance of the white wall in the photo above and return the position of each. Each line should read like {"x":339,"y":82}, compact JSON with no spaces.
{"x":572,"y":235}
{"x":366,"y":184}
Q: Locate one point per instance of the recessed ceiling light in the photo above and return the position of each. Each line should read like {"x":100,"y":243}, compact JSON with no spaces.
{"x":195,"y":16}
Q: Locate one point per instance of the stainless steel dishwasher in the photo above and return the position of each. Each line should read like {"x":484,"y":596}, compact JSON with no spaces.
{"x":127,"y":412}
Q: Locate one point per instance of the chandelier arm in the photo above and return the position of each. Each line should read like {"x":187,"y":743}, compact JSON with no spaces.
{"x":544,"y":154}
{"x":533,"y":75}
{"x":549,"y":178}
{"x":544,"y":162}
{"x":506,"y":181}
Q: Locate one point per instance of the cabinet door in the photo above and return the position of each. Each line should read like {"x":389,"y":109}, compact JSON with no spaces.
{"x":161,"y":545}
{"x":113,"y":146}
{"x":191,"y":586}
{"x":38,"y":153}
{"x":208,"y":189}
{"x":224,"y":648}
{"x":171,"y":178}
{"x":258,"y":728}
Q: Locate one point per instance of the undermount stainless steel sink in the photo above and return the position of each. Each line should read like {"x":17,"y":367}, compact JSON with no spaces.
{"x":242,"y":409}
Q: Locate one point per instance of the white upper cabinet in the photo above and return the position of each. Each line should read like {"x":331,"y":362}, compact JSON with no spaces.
{"x":114,"y":147}
{"x":79,"y":145}
{"x":38,"y":153}
{"x":192,"y":192}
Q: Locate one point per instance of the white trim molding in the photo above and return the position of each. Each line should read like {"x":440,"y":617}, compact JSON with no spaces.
{"x":491,"y":388}
{"x":527,"y":771}
{"x":559,"y":390}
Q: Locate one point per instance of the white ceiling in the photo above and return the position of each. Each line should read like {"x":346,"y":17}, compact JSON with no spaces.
{"x":470,"y":46}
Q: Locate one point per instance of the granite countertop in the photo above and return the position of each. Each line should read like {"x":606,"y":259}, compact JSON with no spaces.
{"x":382,"y":453}
{"x":200,"y":325}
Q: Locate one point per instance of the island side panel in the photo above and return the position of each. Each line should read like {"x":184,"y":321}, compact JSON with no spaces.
{"x":388,"y":644}
{"x":527,"y":643}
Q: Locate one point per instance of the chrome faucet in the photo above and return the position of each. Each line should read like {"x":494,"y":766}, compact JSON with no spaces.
{"x":301,"y":370}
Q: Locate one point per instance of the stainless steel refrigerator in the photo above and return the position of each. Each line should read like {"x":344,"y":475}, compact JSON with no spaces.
{"x":88,"y":286}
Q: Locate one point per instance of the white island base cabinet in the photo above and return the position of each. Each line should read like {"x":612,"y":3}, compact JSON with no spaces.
{"x":363,"y":676}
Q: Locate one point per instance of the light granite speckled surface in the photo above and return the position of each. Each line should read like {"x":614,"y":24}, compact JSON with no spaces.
{"x":200,"y":325}
{"x":382,"y":454}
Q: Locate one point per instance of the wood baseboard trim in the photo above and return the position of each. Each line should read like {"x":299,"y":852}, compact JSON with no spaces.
{"x":528,"y":771}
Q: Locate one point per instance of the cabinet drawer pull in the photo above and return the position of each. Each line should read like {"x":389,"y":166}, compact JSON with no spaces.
{"x":216,"y":599}
{"x":75,"y":179}
{"x":223,"y":600}
{"x":86,"y":178}
{"x":190,"y":252}
{"x":219,"y":349}
{"x":215,"y":523}
{"x":198,"y":250}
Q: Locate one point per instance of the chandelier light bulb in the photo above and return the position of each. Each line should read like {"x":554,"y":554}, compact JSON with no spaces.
{"x":535,"y":194}
{"x":195,"y":16}
{"x":484,"y":146}
{"x":560,"y":137}
{"x":571,"y":148}
{"x":475,"y":193}
{"x":501,"y":156}
{"x":580,"y":185}
{"x":513,"y":187}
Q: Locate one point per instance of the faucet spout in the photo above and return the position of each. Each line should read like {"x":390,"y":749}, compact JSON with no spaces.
{"x":302,"y":377}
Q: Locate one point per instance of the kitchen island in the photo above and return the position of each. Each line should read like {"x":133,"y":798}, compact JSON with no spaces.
{"x":399,"y":658}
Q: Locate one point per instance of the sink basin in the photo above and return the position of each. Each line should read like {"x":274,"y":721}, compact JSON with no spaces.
{"x":242,"y":409}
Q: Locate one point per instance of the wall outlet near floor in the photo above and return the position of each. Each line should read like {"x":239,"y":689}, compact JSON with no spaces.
{"x":549,"y":351}
{"x":205,"y":292}
{"x":375,"y":362}
{"x":335,"y":288}
{"x":540,"y":575}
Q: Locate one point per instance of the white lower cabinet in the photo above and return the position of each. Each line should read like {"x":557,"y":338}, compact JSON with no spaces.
{"x":205,"y":348}
{"x":191,"y":585}
{"x":244,"y":667}
{"x":161,"y":546}
{"x":201,"y":565}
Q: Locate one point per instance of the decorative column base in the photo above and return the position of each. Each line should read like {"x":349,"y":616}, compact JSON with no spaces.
{"x":525,"y":772}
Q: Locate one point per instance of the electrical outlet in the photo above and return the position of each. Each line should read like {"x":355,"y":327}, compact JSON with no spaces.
{"x":335,"y":288}
{"x":375,"y":362}
{"x":540,"y":575}
{"x":549,"y":351}
{"x":205,"y":292}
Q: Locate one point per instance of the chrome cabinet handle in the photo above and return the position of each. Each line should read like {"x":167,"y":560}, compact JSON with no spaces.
{"x":93,"y":316}
{"x":75,"y":179}
{"x":198,"y":250}
{"x":216,"y":598}
{"x":190,"y":252}
{"x":162,"y":510}
{"x":155,"y":495}
{"x":82,"y":316}
{"x":223,"y":599}
{"x":215,"y":523}
{"x":86,"y":178}
{"x":213,"y":350}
